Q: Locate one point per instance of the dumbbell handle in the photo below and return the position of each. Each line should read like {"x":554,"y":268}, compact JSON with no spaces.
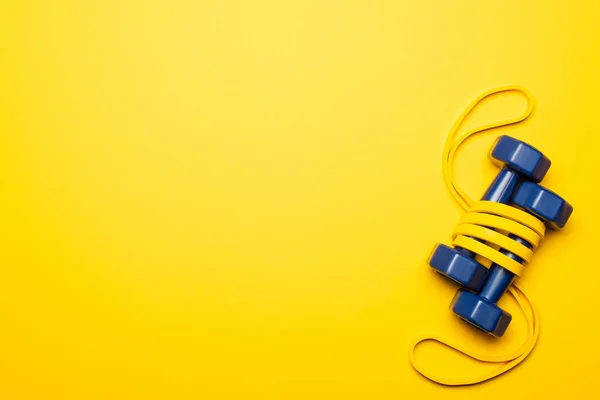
{"x":500,"y":279}
{"x":500,"y":191}
{"x":502,"y":187}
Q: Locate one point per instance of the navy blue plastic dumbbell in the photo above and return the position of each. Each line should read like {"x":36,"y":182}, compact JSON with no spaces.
{"x":481,"y":309}
{"x":518,"y":161}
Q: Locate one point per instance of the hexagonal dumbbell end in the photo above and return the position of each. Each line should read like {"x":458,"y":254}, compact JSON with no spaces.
{"x":480,"y":313}
{"x":519,"y":156}
{"x":456,"y":266}
{"x":552,"y":209}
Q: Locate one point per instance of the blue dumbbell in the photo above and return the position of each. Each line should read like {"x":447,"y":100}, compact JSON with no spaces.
{"x":517,"y":161}
{"x":480,"y":309}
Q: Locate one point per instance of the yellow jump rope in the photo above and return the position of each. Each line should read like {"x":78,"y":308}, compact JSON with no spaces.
{"x":490,"y":222}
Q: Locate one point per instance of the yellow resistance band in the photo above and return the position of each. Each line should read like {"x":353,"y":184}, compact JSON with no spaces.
{"x":491,"y":222}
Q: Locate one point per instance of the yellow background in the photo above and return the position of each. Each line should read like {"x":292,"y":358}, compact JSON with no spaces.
{"x":235,"y":199}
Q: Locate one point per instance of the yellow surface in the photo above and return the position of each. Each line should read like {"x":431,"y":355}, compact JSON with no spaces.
{"x":236,"y":200}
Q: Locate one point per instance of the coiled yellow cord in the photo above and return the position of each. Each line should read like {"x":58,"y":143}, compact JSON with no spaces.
{"x":491,"y":222}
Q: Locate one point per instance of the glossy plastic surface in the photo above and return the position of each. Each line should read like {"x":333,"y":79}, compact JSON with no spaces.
{"x":499,"y":278}
{"x":459,"y":264}
{"x":502,"y":187}
{"x":543,"y":203}
{"x":520,"y":157}
{"x":500,"y":191}
{"x":458,"y":267}
{"x":484,"y":313}
{"x":481,"y":313}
